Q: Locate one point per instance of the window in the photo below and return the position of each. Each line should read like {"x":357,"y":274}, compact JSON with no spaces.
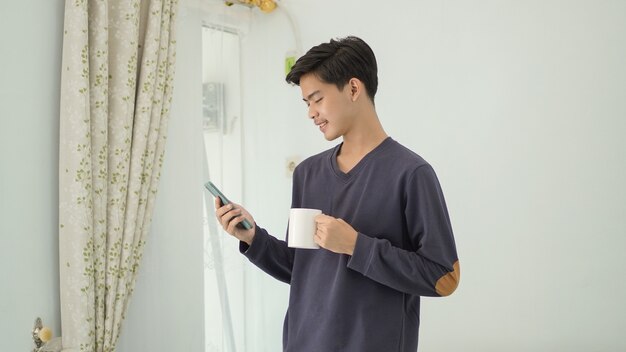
{"x":221,"y":124}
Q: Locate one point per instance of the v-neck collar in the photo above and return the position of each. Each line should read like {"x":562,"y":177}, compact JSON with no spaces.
{"x":347,"y":176}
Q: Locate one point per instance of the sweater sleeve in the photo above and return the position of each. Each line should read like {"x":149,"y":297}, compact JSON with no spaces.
{"x":430,"y":270}
{"x":269,"y":254}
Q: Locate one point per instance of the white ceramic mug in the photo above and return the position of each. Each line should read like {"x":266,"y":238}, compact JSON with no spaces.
{"x":302,"y":228}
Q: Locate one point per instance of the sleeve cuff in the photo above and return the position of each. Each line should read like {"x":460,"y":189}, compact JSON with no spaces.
{"x":259,"y":242}
{"x":362,"y":255}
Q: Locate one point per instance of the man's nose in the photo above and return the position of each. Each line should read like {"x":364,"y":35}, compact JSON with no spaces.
{"x":312,"y":113}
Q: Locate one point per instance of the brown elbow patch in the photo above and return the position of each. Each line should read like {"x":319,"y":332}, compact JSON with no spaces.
{"x":449,"y":282}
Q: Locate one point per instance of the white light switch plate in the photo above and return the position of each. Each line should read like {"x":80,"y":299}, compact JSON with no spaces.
{"x":290,"y":165}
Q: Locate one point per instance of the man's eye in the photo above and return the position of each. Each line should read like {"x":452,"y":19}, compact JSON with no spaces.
{"x":318,"y":100}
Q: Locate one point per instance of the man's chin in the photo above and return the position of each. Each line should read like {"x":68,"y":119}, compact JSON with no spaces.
{"x":330,"y":137}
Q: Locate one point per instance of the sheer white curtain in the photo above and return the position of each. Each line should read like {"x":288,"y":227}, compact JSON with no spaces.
{"x":116,"y":88}
{"x":222,"y":139}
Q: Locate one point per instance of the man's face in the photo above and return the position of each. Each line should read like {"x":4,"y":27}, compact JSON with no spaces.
{"x":331,"y":109}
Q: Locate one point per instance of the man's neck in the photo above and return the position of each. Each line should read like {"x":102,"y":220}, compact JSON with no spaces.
{"x":359,"y":141}
{"x":363,"y":138}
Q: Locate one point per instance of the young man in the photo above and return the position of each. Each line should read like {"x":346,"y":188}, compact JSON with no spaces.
{"x":385,"y":234}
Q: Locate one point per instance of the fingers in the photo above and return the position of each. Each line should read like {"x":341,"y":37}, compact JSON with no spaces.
{"x":230,"y":215}
{"x":321,"y":225}
{"x":226,"y":216}
{"x":234,"y":221}
{"x":221,"y":209}
{"x":322,"y":218}
{"x":321,"y":231}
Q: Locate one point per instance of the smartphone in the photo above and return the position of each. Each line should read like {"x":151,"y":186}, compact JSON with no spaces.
{"x":218,"y":194}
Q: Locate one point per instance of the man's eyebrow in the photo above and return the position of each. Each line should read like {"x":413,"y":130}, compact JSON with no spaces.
{"x":310,"y":96}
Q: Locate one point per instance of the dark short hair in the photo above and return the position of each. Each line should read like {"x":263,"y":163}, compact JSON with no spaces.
{"x":337,"y":62}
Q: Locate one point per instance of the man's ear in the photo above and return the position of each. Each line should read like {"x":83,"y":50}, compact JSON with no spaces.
{"x":356,"y":86}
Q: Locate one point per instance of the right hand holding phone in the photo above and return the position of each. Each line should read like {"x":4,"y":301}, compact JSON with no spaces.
{"x":232,"y":214}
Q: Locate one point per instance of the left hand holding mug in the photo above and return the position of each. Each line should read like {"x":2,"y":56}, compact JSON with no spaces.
{"x":335,"y":234}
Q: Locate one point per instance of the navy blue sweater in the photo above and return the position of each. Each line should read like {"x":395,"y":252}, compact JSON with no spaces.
{"x":405,"y":249}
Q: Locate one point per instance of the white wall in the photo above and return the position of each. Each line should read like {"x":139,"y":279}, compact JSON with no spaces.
{"x":31,"y":35}
{"x":520,"y":108}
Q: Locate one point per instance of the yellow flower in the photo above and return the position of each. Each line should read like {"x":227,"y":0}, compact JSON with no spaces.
{"x":267,"y":6}
{"x":45,"y":334}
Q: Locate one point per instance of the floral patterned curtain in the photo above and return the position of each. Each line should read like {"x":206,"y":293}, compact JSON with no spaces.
{"x":116,"y":90}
